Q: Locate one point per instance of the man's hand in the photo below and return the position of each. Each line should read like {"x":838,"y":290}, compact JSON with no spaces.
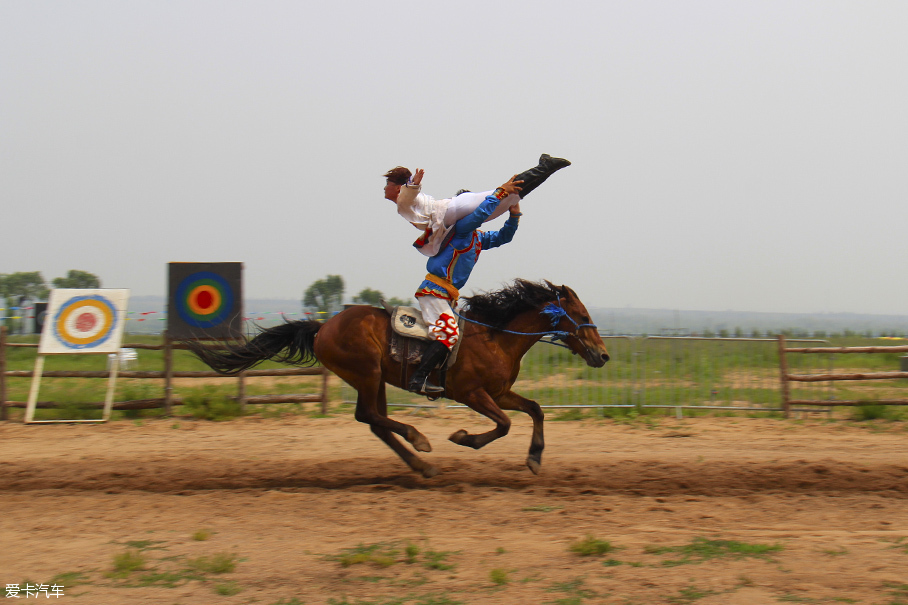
{"x":515,"y":209}
{"x":417,"y":177}
{"x":512,"y":186}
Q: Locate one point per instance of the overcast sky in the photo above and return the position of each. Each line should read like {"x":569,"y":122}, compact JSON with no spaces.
{"x":726,"y":155}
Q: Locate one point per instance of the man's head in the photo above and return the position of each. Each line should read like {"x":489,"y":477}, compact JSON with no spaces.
{"x":396,"y":178}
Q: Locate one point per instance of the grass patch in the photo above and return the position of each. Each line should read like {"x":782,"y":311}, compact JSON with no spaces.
{"x":569,"y":414}
{"x":575,"y":591}
{"x":202,"y":535}
{"x":689,"y":595}
{"x":499,"y":576}
{"x":702,"y":549}
{"x":435,"y":559}
{"x":127,"y":562}
{"x":863,"y":413}
{"x":216,"y":564}
{"x":227,"y":589}
{"x":69,"y":579}
{"x":591,"y":546}
{"x":379,"y":555}
{"x":541,"y":509}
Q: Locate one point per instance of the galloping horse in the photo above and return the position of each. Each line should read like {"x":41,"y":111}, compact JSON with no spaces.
{"x":500,"y":328}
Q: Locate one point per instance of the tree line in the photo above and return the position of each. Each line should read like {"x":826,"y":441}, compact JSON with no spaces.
{"x":327,"y":295}
{"x":31,"y":285}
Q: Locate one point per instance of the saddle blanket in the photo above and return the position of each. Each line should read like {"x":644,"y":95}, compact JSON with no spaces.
{"x":407,"y":322}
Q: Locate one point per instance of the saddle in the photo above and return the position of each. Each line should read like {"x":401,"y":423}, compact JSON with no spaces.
{"x":410,"y":337}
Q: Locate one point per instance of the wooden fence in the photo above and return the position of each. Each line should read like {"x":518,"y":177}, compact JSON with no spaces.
{"x":787,"y":378}
{"x":168,"y":401}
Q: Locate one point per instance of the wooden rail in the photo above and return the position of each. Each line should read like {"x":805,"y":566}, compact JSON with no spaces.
{"x":167,"y":374}
{"x":787,"y":378}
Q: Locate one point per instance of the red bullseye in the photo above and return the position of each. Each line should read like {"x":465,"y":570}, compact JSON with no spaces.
{"x":204,"y":299}
{"x":85,"y":322}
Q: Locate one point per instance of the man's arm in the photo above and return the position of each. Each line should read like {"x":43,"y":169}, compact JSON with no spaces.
{"x":493,"y":239}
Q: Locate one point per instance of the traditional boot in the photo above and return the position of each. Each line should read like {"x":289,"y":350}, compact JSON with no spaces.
{"x":537,"y":175}
{"x":434,"y":354}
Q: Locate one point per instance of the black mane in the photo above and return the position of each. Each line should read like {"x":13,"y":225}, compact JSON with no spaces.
{"x":499,"y":307}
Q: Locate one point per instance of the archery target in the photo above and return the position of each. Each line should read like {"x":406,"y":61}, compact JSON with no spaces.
{"x":84,"y":321}
{"x":205,"y":300}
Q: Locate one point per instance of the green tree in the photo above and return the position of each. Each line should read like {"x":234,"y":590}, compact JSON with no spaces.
{"x":77,"y":279}
{"x":325,"y":294}
{"x":23,"y":284}
{"x":368,"y":296}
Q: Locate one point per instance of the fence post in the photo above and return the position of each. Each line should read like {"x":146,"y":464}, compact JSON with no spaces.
{"x":324,"y":391}
{"x":168,"y":374}
{"x":241,"y":391}
{"x":783,"y":371}
{"x":3,"y":409}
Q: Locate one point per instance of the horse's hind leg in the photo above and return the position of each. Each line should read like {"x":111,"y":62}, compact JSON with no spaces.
{"x":513,"y":401}
{"x":483,"y":403}
{"x":413,"y":461}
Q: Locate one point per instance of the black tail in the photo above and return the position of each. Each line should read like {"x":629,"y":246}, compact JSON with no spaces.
{"x":289,"y":343}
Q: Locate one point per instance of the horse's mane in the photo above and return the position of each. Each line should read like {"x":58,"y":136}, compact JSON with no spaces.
{"x":497,"y":308}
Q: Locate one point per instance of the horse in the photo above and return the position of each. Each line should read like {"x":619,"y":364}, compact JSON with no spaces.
{"x":500,"y":327}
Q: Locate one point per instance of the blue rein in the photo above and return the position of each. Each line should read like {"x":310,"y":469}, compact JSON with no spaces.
{"x":554,"y":312}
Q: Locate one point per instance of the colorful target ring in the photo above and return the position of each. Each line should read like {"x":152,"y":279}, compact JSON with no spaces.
{"x":204,"y":299}
{"x":85,"y":321}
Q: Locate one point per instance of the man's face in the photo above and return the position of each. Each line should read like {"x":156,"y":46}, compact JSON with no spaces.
{"x":391,"y":191}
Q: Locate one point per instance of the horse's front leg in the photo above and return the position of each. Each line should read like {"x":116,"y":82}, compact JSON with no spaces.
{"x":483,"y":403}
{"x":513,"y":401}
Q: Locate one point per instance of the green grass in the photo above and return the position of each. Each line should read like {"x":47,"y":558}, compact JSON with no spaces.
{"x":702,"y":549}
{"x":215,"y":564}
{"x":499,"y":576}
{"x":379,"y":555}
{"x":227,"y":589}
{"x":127,"y":562}
{"x":591,"y":546}
{"x":689,"y":595}
{"x":651,"y":372}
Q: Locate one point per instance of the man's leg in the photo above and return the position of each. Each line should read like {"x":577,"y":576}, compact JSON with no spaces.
{"x":442,"y":324}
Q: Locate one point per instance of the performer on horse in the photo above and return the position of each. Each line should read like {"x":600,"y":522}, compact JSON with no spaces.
{"x":436,"y":218}
{"x":449,"y":270}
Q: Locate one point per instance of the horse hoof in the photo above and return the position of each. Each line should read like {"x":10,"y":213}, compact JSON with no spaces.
{"x":533,"y":465}
{"x":458,"y":436}
{"x":429,"y":472}
{"x":421,"y":444}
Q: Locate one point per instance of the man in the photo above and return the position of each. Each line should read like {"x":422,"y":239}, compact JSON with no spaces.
{"x":448,"y":271}
{"x":435,"y":218}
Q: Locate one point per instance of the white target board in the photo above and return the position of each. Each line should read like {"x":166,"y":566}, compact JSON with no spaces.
{"x":84,"y":321}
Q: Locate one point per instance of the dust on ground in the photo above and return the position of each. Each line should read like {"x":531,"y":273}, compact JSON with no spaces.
{"x":316,"y":510}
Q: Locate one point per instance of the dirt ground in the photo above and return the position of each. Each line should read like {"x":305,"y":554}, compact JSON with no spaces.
{"x":316,"y":510}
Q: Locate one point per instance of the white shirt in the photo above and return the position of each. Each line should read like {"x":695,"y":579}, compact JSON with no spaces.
{"x":424,"y":211}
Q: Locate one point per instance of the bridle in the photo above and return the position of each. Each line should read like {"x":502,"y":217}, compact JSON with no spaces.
{"x":555,"y":313}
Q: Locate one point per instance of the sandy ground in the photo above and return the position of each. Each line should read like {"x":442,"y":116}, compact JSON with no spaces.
{"x":281,"y":501}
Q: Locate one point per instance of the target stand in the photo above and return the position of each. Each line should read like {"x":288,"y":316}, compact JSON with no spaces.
{"x":205,"y":301}
{"x":80,"y":322}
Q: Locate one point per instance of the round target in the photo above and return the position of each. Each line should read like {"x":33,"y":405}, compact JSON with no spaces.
{"x":204,"y":299}
{"x":85,"y":321}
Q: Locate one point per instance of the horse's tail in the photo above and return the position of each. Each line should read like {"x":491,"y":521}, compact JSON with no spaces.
{"x":291,"y":342}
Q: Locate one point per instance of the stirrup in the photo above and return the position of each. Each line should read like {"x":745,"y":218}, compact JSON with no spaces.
{"x":426,"y":388}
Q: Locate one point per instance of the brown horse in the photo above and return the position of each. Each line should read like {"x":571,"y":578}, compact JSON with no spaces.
{"x":501,"y":327}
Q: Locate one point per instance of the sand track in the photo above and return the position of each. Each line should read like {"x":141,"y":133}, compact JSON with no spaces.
{"x":286,"y":495}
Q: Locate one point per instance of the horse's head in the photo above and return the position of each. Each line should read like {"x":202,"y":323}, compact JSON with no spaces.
{"x":569,"y":315}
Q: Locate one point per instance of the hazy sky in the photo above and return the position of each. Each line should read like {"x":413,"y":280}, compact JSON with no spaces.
{"x":727,"y":155}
